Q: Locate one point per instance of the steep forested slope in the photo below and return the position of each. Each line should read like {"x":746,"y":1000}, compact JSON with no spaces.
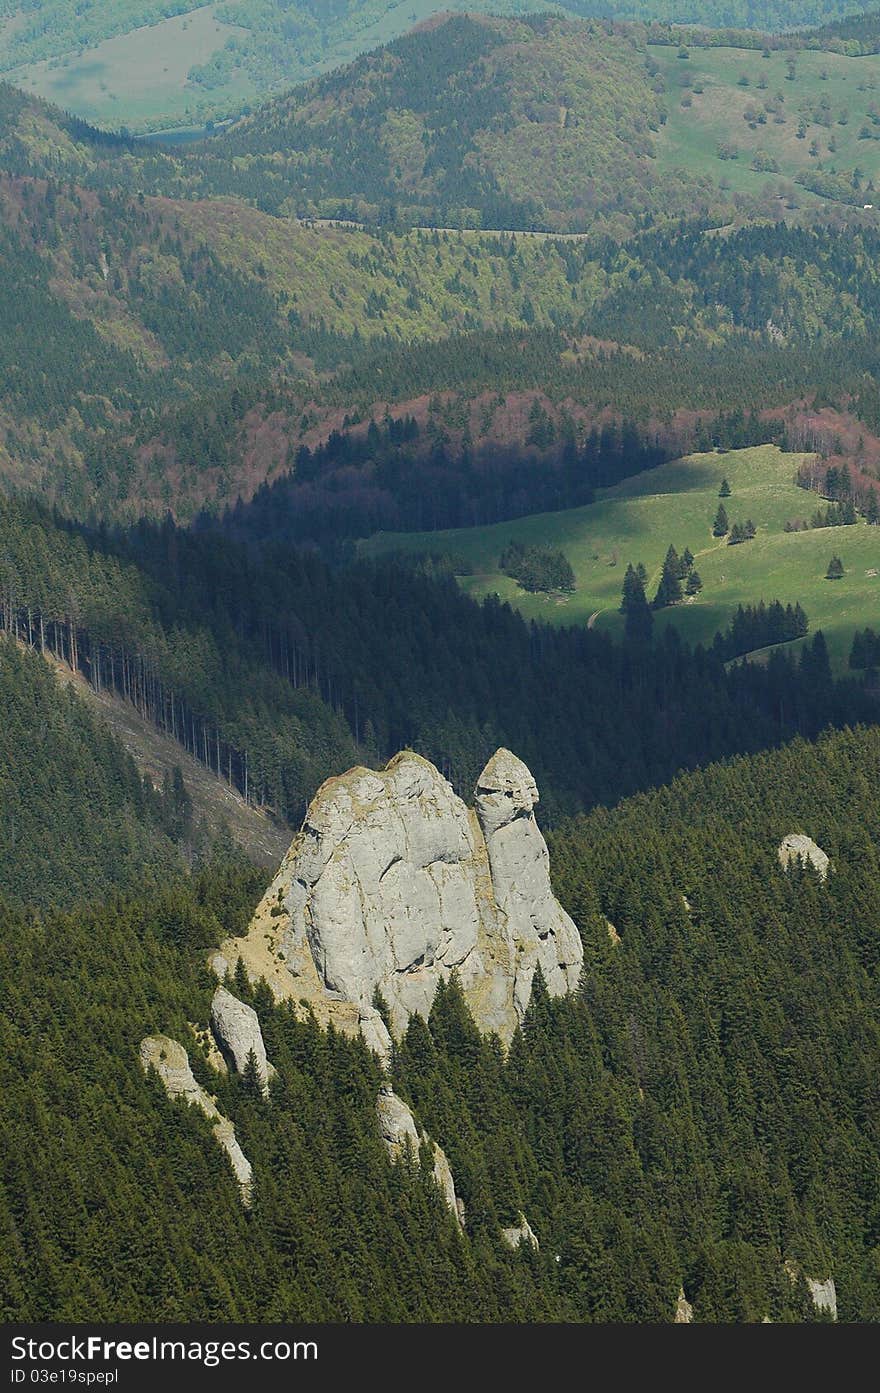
{"x":77,"y":819}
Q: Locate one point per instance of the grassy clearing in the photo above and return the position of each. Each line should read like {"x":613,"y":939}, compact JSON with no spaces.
{"x":716,"y":115}
{"x":137,"y":77}
{"x":637,"y":520}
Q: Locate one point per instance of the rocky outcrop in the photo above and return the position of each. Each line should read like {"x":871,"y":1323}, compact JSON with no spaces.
{"x":520,"y":1233}
{"x":398,"y":1130}
{"x":236,"y":1028}
{"x":684,"y":1311}
{"x":797,"y":845}
{"x":824,"y":1294}
{"x":393,"y":883}
{"x":219,"y":966}
{"x":539,"y":932}
{"x":171,"y":1062}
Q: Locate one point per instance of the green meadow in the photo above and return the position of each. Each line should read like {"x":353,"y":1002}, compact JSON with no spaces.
{"x":738,"y":98}
{"x":637,"y":520}
{"x":136,"y":78}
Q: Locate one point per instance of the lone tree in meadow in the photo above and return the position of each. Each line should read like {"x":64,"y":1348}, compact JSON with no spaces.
{"x":724,"y":491}
{"x":835,"y":569}
{"x":721,"y":524}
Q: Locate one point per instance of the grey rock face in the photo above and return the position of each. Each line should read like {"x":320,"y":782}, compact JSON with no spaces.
{"x":520,"y":1233}
{"x":171,"y":1063}
{"x":539,"y":930}
{"x":824,"y":1294}
{"x":797,"y":845}
{"x":237,"y":1030}
{"x":393,"y":883}
{"x":397,"y":1127}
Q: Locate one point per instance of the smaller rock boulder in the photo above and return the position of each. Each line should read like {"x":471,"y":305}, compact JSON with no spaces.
{"x":824,"y":1294}
{"x":684,"y":1311}
{"x":398,"y":1127}
{"x":797,"y":845}
{"x":237,"y":1030}
{"x":520,"y":1233}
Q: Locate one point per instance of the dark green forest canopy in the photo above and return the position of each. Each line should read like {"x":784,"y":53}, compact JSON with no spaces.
{"x":77,"y":819}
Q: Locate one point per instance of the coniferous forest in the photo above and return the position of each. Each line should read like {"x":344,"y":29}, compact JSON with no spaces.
{"x":467,"y":284}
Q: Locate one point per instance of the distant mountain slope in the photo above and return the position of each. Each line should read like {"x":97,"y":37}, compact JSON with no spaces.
{"x":567,"y":125}
{"x":145,"y":63}
{"x":499,"y":123}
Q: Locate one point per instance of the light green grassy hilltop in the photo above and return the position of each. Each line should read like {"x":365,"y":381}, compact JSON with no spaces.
{"x":744,"y":117}
{"x":638,"y":519}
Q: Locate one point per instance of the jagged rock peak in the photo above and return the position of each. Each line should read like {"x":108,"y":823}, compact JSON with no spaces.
{"x":393,"y":884}
{"x":171,"y":1062}
{"x":236,"y":1028}
{"x":397,"y":1127}
{"x":539,"y":931}
{"x":505,"y":790}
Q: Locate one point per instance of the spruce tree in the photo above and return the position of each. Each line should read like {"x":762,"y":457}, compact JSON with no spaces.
{"x":631,"y":587}
{"x":639,"y":619}
{"x":669,"y":589}
{"x":721,"y":525}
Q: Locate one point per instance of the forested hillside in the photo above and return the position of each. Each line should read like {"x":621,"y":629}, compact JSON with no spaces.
{"x":77,"y":820}
{"x":166,"y":354}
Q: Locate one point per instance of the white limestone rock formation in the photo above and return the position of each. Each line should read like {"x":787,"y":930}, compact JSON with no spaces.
{"x":375,"y":1034}
{"x":539,"y":931}
{"x":797,"y":845}
{"x":236,"y":1028}
{"x":684,"y":1311}
{"x":393,"y":883}
{"x":398,"y":1127}
{"x":520,"y":1233}
{"x":171,"y":1063}
{"x":824,"y":1294}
